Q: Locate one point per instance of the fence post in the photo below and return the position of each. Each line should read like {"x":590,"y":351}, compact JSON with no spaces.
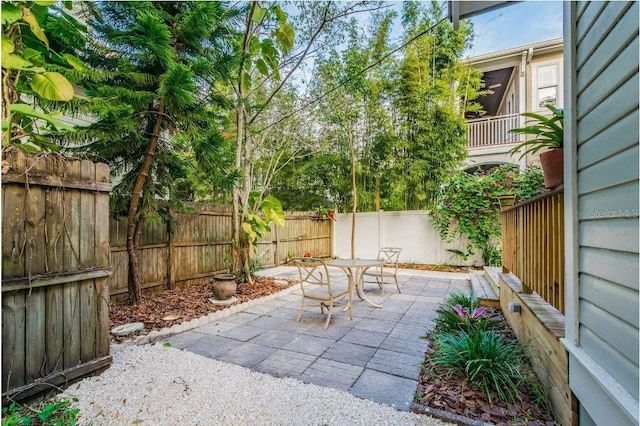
{"x":171,"y":275}
{"x":276,"y":255}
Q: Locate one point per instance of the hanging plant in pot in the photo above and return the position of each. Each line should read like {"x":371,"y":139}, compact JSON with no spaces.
{"x":549,"y":135}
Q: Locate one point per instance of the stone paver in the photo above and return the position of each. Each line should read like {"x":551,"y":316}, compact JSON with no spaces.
{"x":376,"y":356}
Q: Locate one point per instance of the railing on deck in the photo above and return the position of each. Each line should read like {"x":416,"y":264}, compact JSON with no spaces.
{"x":492,"y":130}
{"x":533,"y":245}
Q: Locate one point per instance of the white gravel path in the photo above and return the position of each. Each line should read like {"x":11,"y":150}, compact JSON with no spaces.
{"x":158,"y":385}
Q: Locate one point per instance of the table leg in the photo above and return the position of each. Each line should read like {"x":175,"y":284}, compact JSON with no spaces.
{"x":350,"y":285}
{"x":360,"y":289}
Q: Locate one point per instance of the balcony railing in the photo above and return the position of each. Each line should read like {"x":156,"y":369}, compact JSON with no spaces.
{"x":492,"y":130}
{"x":533,"y":245}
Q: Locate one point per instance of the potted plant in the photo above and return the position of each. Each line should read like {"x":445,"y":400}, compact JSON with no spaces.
{"x":549,"y":134}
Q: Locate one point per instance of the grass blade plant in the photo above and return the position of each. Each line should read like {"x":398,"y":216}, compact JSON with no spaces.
{"x":486,"y":358}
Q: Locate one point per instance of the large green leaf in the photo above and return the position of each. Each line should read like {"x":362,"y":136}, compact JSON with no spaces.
{"x":258,"y":14}
{"x":52,"y":86}
{"x":261,"y":65}
{"x":45,"y":2}
{"x":12,"y":61}
{"x":7,"y":45}
{"x":35,"y":27}
{"x":29,"y":111}
{"x":10,"y":14}
{"x":75,"y":62}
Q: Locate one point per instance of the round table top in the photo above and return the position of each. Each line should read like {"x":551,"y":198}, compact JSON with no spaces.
{"x":354,"y":263}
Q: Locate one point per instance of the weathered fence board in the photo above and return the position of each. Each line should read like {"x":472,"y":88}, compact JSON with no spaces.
{"x":198,"y":247}
{"x":55,"y":263}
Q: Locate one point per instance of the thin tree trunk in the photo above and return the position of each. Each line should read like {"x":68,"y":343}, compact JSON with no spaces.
{"x":136,"y":196}
{"x":355,"y":192}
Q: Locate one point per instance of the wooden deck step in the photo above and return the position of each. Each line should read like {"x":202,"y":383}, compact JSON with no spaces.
{"x":483,"y":291}
{"x":492,"y":274}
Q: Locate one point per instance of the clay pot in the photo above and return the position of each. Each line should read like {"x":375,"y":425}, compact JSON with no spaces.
{"x":224,"y":286}
{"x":552,"y":163}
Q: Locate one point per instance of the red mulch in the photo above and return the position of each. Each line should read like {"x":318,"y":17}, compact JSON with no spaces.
{"x":454,"y":394}
{"x":184,"y":304}
{"x":439,"y":268}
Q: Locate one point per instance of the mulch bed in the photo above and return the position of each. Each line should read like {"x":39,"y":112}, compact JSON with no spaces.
{"x":454,"y":394}
{"x":166,"y":308}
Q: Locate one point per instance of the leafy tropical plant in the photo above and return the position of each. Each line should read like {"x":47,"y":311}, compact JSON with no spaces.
{"x":487,"y":359}
{"x":548,"y":132}
{"x":256,"y":225}
{"x":31,"y":77}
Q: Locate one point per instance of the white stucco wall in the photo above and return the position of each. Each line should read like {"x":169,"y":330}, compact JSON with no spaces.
{"x":411,"y":230}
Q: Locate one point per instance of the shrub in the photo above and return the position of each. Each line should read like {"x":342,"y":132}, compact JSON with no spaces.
{"x":487,"y":359}
{"x":56,"y":413}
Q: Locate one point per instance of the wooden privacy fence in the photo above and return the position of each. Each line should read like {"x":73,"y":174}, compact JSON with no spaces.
{"x":533,"y":245}
{"x":55,"y":263}
{"x":198,"y":247}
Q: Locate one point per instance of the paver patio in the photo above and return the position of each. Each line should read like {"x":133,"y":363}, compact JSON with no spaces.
{"x":376,"y":356}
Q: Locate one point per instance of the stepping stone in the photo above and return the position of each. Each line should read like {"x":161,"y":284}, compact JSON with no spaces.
{"x":127,"y":329}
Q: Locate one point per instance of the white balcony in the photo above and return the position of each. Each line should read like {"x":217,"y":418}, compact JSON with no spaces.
{"x":491,"y":131}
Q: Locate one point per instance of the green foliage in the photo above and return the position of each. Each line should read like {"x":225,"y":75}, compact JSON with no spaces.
{"x":529,"y":183}
{"x":31,"y":69}
{"x":486,"y":358}
{"x":256,"y":225}
{"x":548,"y":132}
{"x":467,"y":301}
{"x":56,"y":413}
{"x":467,"y":205}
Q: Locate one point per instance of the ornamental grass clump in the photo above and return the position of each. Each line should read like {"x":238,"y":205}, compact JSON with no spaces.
{"x":468,"y":340}
{"x":487,"y":359}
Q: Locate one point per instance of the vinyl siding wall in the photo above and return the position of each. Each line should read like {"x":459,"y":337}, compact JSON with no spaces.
{"x":605,"y":88}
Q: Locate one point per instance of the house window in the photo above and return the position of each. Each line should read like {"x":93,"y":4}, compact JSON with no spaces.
{"x":547,"y":86}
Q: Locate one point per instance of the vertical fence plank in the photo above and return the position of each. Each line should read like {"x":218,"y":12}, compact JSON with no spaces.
{"x":87,"y":217}
{"x":101,"y":212}
{"x":35,"y":336}
{"x":34,"y":219}
{"x":13,"y":337}
{"x":88,"y":319}
{"x":13,"y":234}
{"x":55,"y":328}
{"x":71,"y":244}
{"x":102,"y":338}
{"x":71,"y":319}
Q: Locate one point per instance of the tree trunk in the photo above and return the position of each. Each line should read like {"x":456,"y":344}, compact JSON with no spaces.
{"x":355,"y":192}
{"x":134,"y":204}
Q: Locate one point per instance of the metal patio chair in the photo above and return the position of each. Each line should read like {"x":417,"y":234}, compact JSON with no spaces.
{"x":389,"y":269}
{"x":317,"y":289}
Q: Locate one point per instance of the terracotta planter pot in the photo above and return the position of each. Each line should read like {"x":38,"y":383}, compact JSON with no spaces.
{"x":224,"y":286}
{"x":552,"y":163}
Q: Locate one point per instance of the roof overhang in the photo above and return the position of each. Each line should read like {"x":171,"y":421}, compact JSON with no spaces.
{"x":466,"y":9}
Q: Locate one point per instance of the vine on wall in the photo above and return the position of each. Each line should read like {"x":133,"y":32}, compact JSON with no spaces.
{"x":468,"y":205}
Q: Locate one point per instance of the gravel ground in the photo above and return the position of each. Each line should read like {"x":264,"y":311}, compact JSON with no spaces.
{"x":158,"y":385}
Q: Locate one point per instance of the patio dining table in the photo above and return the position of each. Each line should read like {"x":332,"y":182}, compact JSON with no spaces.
{"x":354,"y":268}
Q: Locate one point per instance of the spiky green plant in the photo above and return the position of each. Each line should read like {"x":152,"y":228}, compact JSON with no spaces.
{"x":486,"y":359}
